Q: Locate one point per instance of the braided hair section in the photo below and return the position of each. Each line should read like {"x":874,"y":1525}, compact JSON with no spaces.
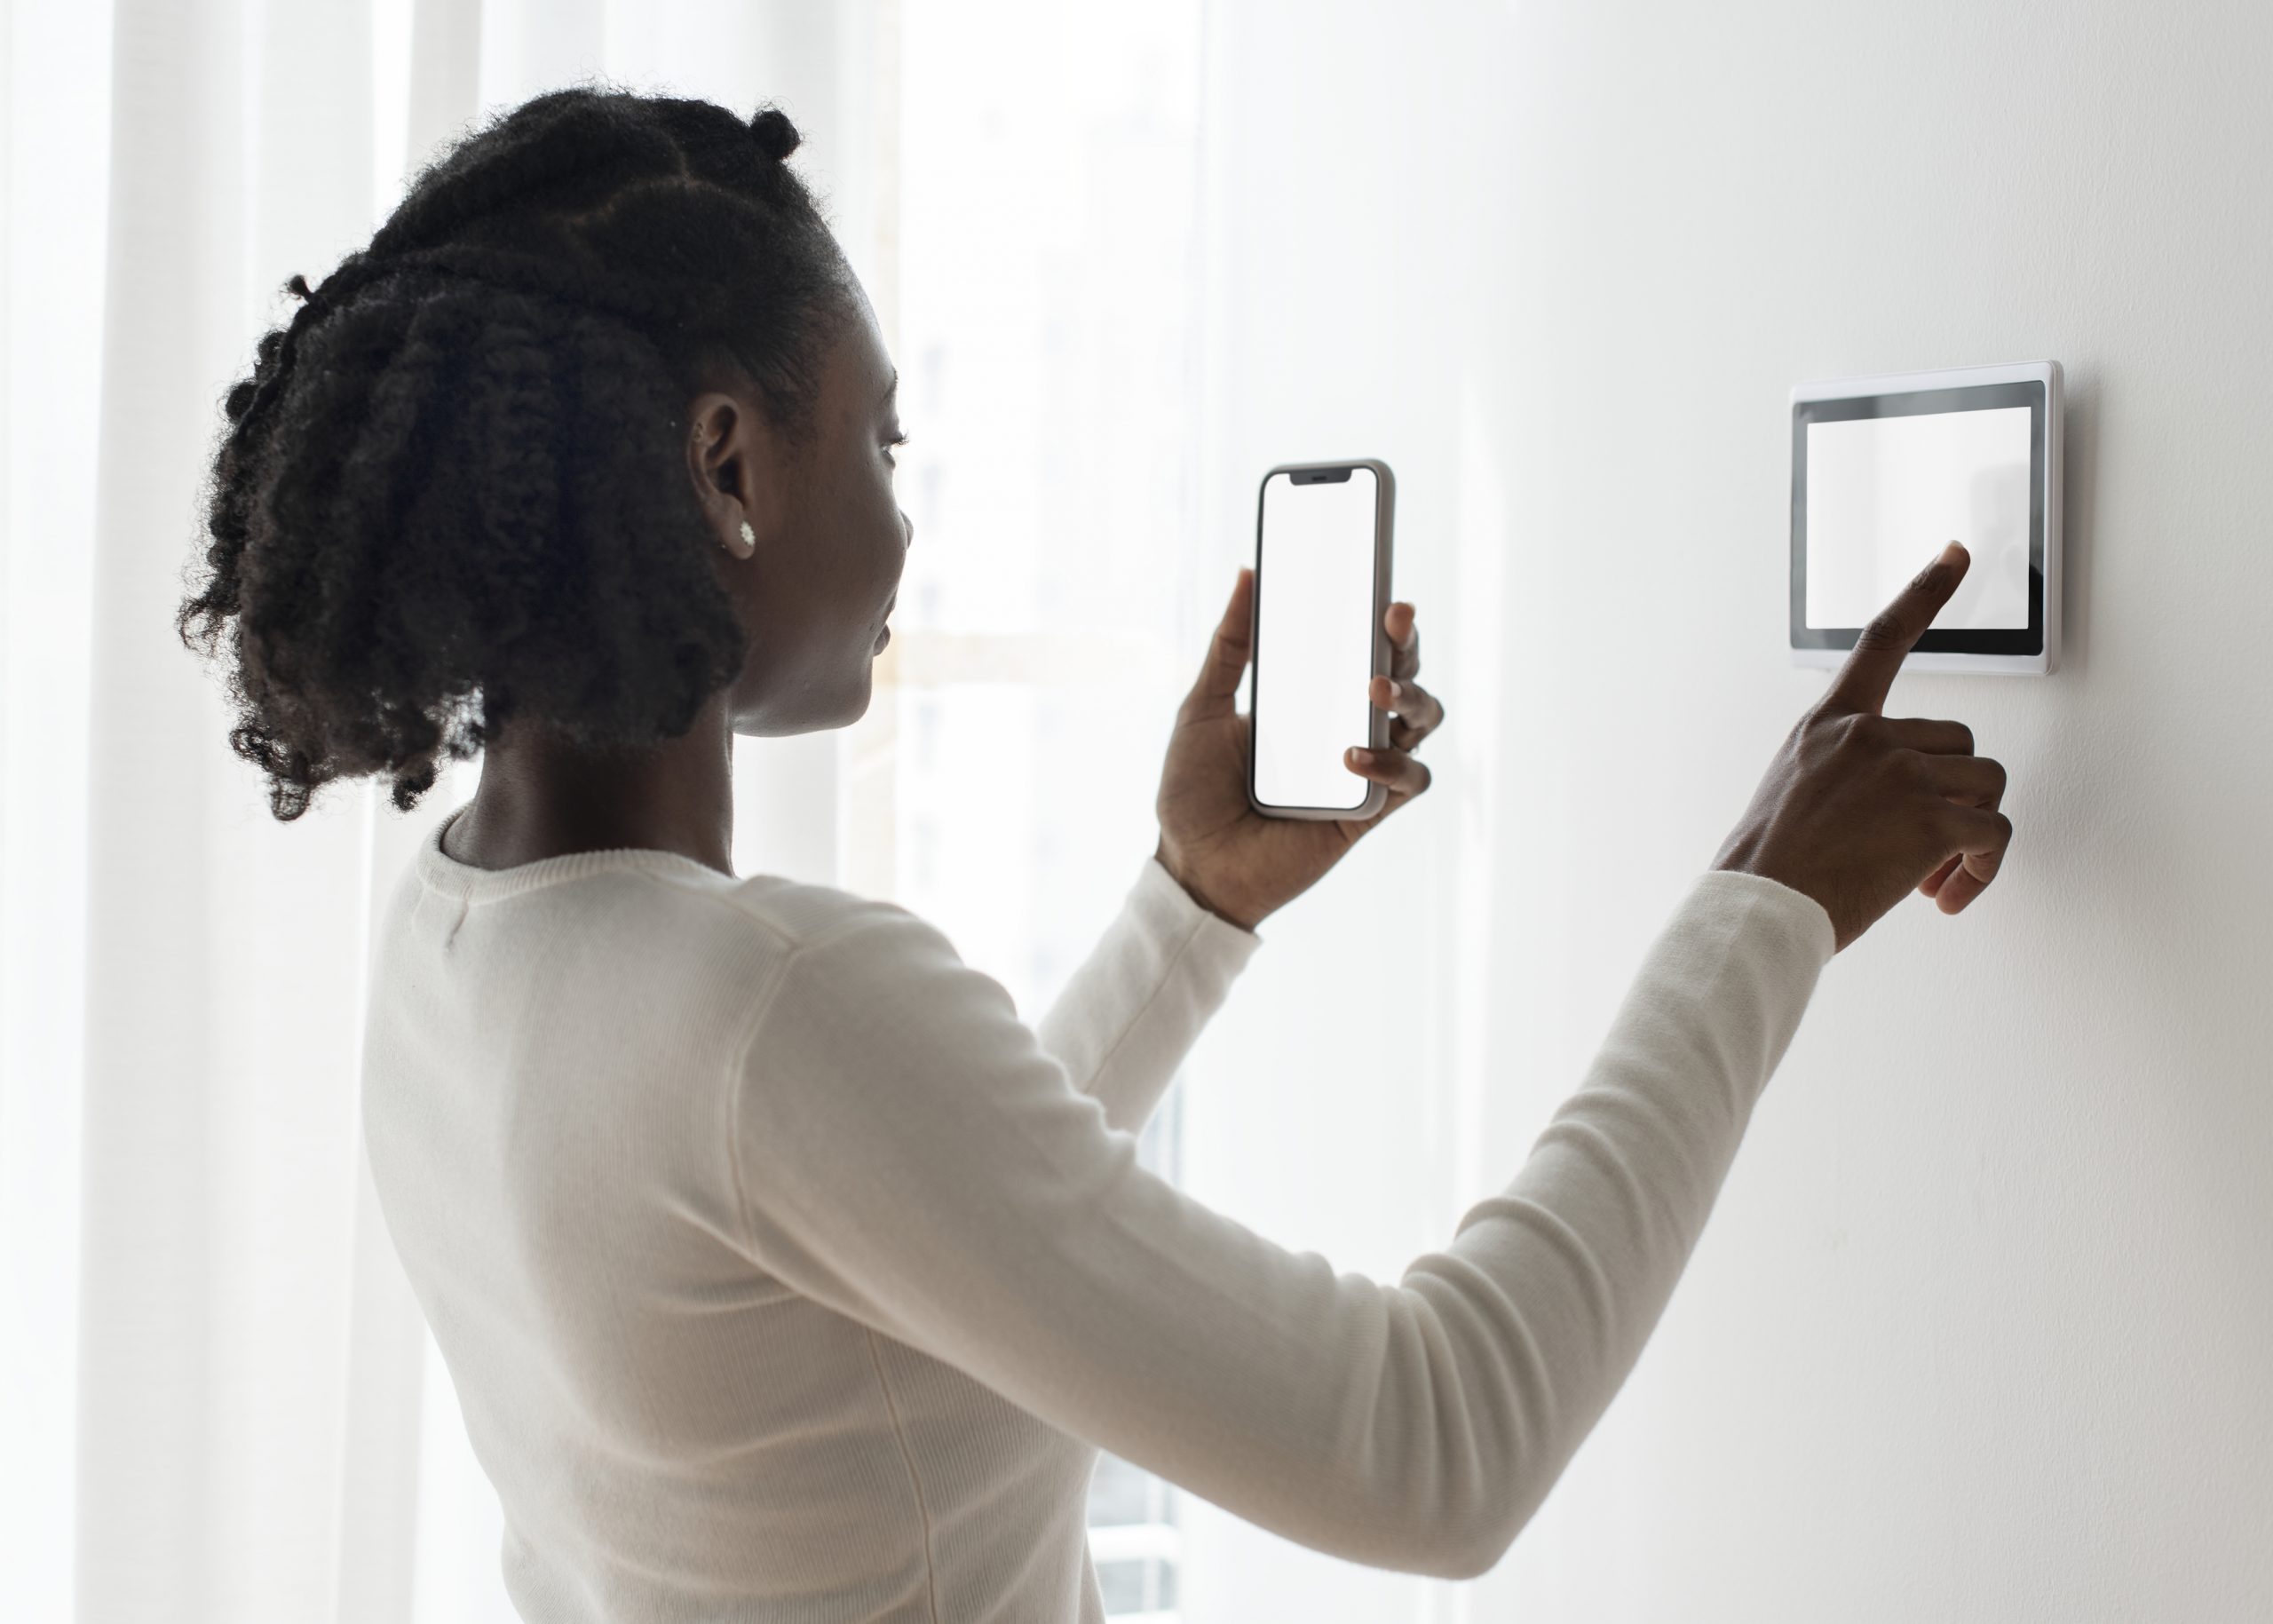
{"x":452,"y":491}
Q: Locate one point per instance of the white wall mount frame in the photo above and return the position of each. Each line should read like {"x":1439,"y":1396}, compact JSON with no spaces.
{"x":2034,"y":650}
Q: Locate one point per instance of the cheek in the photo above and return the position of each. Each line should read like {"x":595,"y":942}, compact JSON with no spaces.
{"x":871,"y":546}
{"x":890,"y":535}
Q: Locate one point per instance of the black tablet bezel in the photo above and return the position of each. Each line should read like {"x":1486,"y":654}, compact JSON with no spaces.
{"x":2030,"y":392}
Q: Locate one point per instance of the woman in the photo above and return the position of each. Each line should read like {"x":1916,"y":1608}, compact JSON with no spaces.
{"x":782,"y":1272}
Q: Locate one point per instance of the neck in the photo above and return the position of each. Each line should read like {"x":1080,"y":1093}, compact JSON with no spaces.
{"x":544,"y":795}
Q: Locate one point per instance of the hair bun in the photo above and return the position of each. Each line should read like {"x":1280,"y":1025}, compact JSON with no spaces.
{"x":776,"y":137}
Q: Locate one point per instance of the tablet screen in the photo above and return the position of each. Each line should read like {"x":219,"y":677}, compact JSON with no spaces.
{"x":1884,"y":494}
{"x":1880,"y":483}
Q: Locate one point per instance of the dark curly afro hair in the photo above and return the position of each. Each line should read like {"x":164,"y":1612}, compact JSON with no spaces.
{"x":453,"y":490}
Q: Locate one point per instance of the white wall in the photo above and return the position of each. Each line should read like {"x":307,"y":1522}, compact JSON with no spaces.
{"x":1982,"y":1326}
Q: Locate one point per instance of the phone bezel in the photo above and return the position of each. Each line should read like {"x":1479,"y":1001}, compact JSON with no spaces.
{"x":1377,"y":719}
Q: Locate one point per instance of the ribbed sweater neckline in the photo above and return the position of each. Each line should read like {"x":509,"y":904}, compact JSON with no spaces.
{"x":446,"y":874}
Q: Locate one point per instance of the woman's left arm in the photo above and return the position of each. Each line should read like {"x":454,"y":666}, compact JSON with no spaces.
{"x":1234,"y":861}
{"x":1128,"y":1016}
{"x":1132,"y":1012}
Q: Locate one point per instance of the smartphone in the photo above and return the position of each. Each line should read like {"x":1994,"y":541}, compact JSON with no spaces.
{"x":1321,"y":590}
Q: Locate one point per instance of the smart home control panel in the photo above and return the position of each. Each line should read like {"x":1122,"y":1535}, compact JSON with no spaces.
{"x":1886,"y":469}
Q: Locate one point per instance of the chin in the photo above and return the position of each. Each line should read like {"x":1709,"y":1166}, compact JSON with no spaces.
{"x":859,"y":707}
{"x":763,"y":721}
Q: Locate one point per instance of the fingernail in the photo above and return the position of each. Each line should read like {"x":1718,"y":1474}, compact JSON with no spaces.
{"x":1364,"y":759}
{"x":1395,"y":687}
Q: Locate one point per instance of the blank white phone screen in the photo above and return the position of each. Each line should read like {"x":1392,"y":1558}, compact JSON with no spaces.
{"x":1884,"y":494}
{"x":1314,"y":639}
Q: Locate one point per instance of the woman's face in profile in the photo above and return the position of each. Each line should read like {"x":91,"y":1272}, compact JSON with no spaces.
{"x":832,"y":542}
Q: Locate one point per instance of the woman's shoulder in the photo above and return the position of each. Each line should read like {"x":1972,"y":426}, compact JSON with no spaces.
{"x":799,"y":914}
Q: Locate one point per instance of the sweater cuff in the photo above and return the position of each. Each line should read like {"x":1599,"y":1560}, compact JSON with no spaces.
{"x":1802,"y":917}
{"x":1166,"y":908}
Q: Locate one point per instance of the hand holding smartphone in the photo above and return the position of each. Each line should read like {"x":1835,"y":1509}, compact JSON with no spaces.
{"x":1255,"y":806}
{"x":1321,"y":592}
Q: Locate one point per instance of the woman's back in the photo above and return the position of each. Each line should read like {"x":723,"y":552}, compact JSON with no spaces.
{"x":673,"y":1433}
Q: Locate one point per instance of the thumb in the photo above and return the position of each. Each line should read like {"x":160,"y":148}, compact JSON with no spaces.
{"x":1214,"y":693}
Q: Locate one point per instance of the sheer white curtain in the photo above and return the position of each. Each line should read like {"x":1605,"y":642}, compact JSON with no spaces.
{"x":1126,"y":258}
{"x":184,"y":980}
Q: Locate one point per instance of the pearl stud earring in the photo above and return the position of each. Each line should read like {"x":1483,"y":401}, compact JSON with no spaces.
{"x":749,"y":536}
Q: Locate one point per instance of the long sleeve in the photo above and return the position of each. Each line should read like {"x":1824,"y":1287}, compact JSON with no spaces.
{"x":908,"y":1154}
{"x":1130,"y":1014}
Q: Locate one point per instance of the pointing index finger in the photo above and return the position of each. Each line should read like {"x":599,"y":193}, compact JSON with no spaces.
{"x":1864,"y":680}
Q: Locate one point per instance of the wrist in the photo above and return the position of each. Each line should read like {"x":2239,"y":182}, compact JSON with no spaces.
{"x":1200,"y":893}
{"x":1745,"y":856}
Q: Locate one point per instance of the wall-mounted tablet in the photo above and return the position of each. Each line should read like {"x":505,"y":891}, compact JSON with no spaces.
{"x":1886,"y":469}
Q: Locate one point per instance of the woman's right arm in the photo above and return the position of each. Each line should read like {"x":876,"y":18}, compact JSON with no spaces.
{"x":910,"y":1156}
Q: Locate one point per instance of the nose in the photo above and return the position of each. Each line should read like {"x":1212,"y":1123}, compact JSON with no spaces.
{"x":907,"y":527}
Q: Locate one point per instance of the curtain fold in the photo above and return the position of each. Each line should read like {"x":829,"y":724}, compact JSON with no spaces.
{"x":224,"y":951}
{"x":54,"y":150}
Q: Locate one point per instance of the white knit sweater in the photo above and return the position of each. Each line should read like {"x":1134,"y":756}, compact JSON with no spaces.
{"x":785,"y":1274}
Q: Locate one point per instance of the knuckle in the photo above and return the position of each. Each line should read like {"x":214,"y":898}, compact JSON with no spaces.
{"x":1821,"y":720}
{"x":1811,"y":745}
{"x":1849,"y":735}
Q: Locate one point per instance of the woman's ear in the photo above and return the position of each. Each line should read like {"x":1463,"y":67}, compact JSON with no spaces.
{"x":732,"y":456}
